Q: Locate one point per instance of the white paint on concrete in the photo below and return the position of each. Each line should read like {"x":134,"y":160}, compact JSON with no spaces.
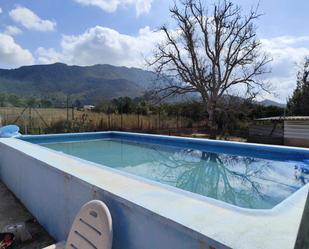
{"x":234,"y":227}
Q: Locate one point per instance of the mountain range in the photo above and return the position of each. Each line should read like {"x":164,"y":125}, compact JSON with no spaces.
{"x":86,"y":83}
{"x":268,"y":102}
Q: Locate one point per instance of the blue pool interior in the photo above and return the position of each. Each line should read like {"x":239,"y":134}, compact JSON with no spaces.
{"x":249,"y":176}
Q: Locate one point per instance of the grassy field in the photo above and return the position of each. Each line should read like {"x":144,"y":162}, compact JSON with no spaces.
{"x":46,"y":120}
{"x":60,"y":120}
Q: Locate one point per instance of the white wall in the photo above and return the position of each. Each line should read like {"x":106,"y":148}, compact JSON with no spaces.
{"x":296,"y":132}
{"x":146,"y":215}
{"x":54,"y":197}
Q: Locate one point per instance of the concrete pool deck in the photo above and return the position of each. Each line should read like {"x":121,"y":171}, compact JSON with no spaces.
{"x":140,"y":207}
{"x":12,"y":212}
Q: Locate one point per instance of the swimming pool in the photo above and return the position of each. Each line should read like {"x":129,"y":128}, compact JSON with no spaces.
{"x":244,"y":175}
{"x":54,"y":184}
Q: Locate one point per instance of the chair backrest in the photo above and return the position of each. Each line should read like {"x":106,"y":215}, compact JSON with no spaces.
{"x":92,"y":228}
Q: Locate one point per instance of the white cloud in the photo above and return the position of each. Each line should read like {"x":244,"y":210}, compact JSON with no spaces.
{"x":12,"y":54}
{"x":12,"y":30}
{"x":99,"y":45}
{"x":30,"y":20}
{"x":1,"y":10}
{"x":49,"y":55}
{"x":287,"y":52}
{"x":141,"y":6}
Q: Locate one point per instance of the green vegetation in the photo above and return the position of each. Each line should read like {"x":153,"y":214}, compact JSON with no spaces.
{"x":298,"y":104}
{"x":233,"y":116}
{"x":10,"y":99}
{"x":83,"y":84}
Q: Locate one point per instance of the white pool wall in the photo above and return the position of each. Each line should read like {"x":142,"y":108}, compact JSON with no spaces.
{"x":55,"y":194}
{"x":53,"y":186}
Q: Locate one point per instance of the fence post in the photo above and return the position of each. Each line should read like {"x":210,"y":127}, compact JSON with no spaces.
{"x":101,"y":124}
{"x":25,"y":127}
{"x":67,"y":108}
{"x":138,"y":121}
{"x":30,"y":120}
{"x":121,"y":121}
{"x":72,"y":112}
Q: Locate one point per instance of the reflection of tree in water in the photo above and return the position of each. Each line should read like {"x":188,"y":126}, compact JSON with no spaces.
{"x":210,"y":175}
{"x":215,"y":179}
{"x":301,"y":173}
{"x":243,"y":181}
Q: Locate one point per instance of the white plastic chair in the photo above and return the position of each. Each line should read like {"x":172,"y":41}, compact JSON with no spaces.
{"x":91,"y":229}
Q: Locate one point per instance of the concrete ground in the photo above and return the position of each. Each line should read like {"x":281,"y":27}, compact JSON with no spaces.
{"x":12,"y":212}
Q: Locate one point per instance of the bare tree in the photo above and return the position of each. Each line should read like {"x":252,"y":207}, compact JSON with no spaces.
{"x":212,"y":52}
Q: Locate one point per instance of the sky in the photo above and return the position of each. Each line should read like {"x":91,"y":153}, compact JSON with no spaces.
{"x":123,"y":33}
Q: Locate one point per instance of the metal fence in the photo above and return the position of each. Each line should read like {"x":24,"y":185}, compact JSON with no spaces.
{"x":54,"y":120}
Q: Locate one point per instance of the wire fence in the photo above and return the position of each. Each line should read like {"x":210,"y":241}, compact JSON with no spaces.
{"x":59,"y":120}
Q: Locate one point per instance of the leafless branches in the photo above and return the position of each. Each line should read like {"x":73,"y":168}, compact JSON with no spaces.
{"x":213,"y":50}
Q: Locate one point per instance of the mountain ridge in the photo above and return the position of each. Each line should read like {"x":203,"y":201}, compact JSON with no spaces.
{"x":89,"y":82}
{"x":268,"y":102}
{"x":86,"y":83}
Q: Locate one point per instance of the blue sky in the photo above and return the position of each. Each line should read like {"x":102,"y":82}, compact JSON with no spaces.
{"x":121,"y":32}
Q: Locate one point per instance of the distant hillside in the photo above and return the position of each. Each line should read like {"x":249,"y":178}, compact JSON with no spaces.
{"x":88,"y":83}
{"x":268,"y":102}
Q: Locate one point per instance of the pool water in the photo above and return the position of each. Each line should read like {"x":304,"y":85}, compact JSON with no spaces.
{"x":243,"y":181}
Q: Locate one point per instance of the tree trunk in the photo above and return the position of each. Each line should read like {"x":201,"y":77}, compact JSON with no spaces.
{"x":211,"y":107}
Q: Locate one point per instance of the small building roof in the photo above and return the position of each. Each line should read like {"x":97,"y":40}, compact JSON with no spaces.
{"x":281,"y":118}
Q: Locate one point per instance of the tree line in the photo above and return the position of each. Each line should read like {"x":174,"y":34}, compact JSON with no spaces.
{"x":232,"y":113}
{"x":14,"y":100}
{"x":298,"y":103}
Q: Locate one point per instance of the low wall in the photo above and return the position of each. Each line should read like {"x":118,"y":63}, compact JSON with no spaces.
{"x":296,"y":133}
{"x":54,"y":197}
{"x":146,"y":214}
{"x":299,"y":142}
{"x":268,"y":133}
